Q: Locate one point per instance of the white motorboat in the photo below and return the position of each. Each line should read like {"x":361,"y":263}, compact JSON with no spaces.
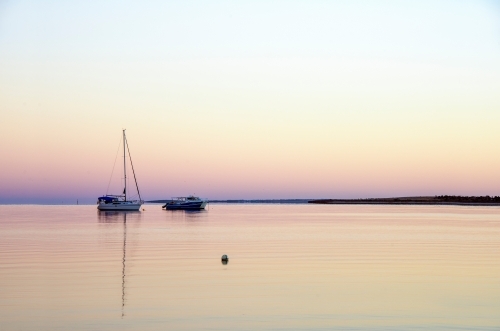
{"x":186,"y":203}
{"x":120,"y":202}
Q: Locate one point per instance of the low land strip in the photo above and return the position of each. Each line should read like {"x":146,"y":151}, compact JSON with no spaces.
{"x":425,"y":200}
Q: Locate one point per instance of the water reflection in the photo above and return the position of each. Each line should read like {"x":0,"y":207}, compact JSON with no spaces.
{"x":300,"y":267}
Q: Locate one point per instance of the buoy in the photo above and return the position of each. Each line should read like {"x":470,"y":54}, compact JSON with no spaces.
{"x":224,"y":259}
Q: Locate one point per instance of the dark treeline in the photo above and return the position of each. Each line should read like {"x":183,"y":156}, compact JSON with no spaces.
{"x":459,"y":198}
{"x":422,"y":200}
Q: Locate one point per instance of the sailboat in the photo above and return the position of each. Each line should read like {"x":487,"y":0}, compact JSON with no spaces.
{"x":120,"y":202}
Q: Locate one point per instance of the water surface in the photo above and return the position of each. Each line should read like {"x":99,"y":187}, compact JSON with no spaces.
{"x":291,"y":267}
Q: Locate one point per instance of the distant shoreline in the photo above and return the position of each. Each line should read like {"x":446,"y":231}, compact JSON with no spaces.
{"x":419,"y":200}
{"x":444,"y":200}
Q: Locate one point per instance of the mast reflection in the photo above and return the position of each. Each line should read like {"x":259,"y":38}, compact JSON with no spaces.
{"x":117,"y":217}
{"x":123,"y":261}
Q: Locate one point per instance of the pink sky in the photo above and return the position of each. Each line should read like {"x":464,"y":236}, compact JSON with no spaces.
{"x":356,"y":101}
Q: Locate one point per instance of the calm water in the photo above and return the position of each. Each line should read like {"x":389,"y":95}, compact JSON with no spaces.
{"x":291,"y":267}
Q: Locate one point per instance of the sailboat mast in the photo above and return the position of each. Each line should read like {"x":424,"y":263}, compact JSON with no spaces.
{"x":124,"y":167}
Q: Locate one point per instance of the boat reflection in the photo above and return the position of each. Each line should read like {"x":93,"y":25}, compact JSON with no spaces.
{"x":116,"y":216}
{"x":187,"y":215}
{"x":189,"y":212}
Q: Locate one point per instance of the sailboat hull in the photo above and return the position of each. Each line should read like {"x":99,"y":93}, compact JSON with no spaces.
{"x":119,"y":206}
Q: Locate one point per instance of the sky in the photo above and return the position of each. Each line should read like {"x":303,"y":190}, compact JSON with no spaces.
{"x":249,"y":99}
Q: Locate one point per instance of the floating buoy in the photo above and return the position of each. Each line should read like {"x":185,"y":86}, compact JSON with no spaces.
{"x":224,"y":259}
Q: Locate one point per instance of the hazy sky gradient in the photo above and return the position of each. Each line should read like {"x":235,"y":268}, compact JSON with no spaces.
{"x":257,"y":99}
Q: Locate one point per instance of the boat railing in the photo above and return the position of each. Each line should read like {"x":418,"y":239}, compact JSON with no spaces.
{"x":188,"y":198}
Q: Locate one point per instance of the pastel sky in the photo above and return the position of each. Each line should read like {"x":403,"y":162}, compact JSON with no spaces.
{"x":250,"y":99}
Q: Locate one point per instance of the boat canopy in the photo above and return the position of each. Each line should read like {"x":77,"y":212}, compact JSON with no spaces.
{"x":107,"y":199}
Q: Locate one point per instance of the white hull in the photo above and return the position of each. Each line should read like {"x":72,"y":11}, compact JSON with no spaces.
{"x":119,"y":206}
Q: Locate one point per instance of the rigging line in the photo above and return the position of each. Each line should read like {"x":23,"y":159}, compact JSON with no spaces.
{"x":114,"y":164}
{"x":133,"y":171}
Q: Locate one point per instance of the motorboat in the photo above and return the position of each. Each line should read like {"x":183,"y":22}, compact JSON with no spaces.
{"x":186,"y":203}
{"x":120,"y":202}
